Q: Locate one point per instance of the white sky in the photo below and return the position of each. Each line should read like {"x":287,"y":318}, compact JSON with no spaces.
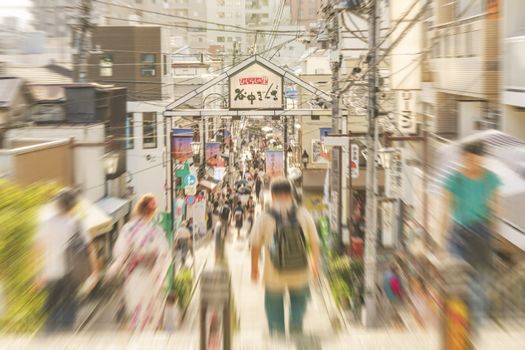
{"x":16,"y":8}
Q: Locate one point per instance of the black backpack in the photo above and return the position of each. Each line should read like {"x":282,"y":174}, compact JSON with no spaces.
{"x":225,"y":213}
{"x":288,"y":251}
{"x":77,"y":258}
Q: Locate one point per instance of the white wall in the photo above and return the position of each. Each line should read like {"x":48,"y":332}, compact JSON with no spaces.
{"x":468,"y":113}
{"x":406,"y":55}
{"x":513,"y":20}
{"x":514,"y":121}
{"x":148,"y":175}
{"x":89,"y":169}
{"x":317,"y":65}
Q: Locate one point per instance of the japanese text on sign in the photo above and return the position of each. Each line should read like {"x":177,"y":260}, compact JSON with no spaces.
{"x":394,"y":175}
{"x":354,"y":156}
{"x":256,"y":87}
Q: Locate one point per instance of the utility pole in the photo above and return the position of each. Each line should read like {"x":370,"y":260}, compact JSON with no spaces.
{"x":83,"y":43}
{"x":285,"y":146}
{"x":335,"y":176}
{"x":202,"y":166}
{"x":370,"y":267}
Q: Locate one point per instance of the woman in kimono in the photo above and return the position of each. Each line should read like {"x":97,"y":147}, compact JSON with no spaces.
{"x":142,"y":256}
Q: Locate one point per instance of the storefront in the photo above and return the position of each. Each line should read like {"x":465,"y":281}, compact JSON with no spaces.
{"x":313,"y":191}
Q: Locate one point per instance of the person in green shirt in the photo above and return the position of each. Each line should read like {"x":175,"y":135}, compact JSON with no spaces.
{"x":471,"y":197}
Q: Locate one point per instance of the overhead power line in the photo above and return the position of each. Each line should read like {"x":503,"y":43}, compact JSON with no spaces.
{"x":289,"y":33}
{"x":398,"y":39}
{"x":240,"y":29}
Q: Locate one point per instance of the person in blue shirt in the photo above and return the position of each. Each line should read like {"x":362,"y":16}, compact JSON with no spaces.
{"x":471,"y":201}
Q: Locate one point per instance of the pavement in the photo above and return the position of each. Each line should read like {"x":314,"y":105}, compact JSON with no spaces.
{"x":101,"y":331}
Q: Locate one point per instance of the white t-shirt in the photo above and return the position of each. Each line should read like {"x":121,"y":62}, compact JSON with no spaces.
{"x":262,"y":235}
{"x":53,"y":234}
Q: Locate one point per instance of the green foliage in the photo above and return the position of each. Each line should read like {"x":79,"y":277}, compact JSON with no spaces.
{"x":182,"y":285}
{"x":346,"y":279}
{"x":24,"y":304}
{"x":340,"y":290}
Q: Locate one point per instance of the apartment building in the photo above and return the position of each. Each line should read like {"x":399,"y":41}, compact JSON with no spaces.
{"x":513,"y":78}
{"x":304,"y":12}
{"x":464,"y":66}
{"x":54,"y":17}
{"x":138,"y":58}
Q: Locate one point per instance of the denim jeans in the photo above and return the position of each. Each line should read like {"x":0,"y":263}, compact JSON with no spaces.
{"x":61,"y":305}
{"x":274,"y":305}
{"x":479,"y":283}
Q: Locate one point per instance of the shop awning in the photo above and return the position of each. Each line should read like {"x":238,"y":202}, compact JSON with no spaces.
{"x":208,"y":184}
{"x":313,"y":179}
{"x":93,"y":219}
{"x":116,"y":208}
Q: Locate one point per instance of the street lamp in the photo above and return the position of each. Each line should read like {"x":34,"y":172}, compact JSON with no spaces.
{"x":110,"y":161}
{"x":196,"y":149}
{"x":305,"y":159}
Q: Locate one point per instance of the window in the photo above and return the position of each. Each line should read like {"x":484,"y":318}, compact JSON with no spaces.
{"x":450,"y":44}
{"x":220,"y":14}
{"x":220,"y":39}
{"x":148,"y":65}
{"x":436,"y":49}
{"x":460,"y":43}
{"x":149,"y":130}
{"x":106,"y":65}
{"x":165,"y":64}
{"x":469,"y":8}
{"x":230,"y":39}
{"x":475,"y":48}
{"x":129,"y":131}
{"x":469,"y":50}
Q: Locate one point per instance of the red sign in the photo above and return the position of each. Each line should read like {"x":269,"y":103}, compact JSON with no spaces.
{"x":254,"y":81}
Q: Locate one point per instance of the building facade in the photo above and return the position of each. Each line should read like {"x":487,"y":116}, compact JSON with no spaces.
{"x":464,"y":64}
{"x":513,"y":78}
{"x":138,"y":58}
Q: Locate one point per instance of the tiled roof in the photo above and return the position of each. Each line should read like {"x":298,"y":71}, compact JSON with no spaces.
{"x":37,"y":75}
{"x":9,"y":87}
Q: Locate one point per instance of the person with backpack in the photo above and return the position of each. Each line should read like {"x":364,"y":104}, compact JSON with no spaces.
{"x":250,"y":214}
{"x":258,"y":187}
{"x":183,"y":242}
{"x":64,"y":245}
{"x":288,"y":235}
{"x":238,"y":216}
{"x":225,"y":216}
{"x":471,"y":200}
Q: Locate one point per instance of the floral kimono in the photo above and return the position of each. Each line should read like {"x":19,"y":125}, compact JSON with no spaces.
{"x":142,"y":256}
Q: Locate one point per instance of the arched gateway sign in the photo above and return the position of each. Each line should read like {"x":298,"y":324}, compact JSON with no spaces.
{"x":255,"y":88}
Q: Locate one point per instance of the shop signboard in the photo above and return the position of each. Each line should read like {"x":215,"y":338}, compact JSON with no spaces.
{"x":256,"y":87}
{"x":394,"y":174}
{"x":274,"y":163}
{"x":181,"y":150}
